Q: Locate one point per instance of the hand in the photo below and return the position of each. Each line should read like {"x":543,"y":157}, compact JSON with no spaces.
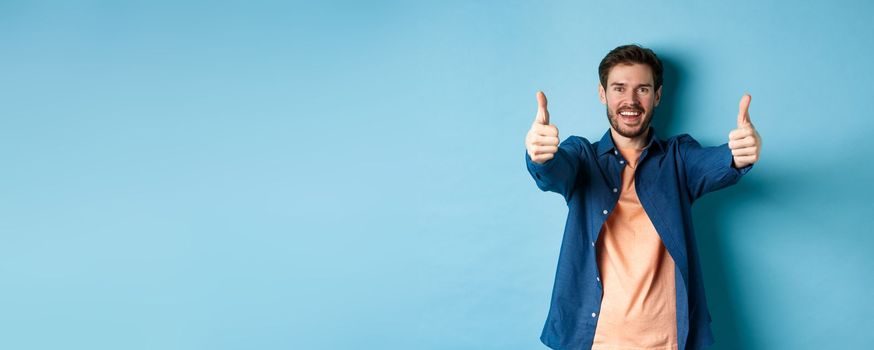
{"x":542,"y":139}
{"x":744,"y":142}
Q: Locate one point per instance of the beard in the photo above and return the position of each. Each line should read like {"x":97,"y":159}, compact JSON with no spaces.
{"x":634,"y":131}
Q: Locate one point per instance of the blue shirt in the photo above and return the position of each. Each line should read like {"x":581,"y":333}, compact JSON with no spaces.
{"x":671,"y":174}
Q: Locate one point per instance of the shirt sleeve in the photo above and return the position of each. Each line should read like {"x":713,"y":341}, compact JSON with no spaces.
{"x":560,"y":173}
{"x":708,"y":168}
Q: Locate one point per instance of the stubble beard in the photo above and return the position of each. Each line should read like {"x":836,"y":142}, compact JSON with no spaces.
{"x":641,"y":129}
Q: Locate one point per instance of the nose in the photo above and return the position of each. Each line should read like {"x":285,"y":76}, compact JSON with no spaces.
{"x":635,"y":98}
{"x":630,"y":99}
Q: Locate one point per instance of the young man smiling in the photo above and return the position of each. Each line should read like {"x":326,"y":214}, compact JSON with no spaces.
{"x":629,"y":274}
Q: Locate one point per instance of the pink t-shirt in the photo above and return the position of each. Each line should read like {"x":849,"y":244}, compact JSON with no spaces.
{"x":638,"y":310}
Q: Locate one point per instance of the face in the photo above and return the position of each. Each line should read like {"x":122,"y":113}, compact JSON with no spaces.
{"x":630,"y":98}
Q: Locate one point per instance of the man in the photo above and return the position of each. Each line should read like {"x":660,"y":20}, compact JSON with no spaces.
{"x":629,"y":274}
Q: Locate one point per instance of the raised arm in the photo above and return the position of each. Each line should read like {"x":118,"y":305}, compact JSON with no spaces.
{"x":554,"y":167}
{"x":711,"y":168}
{"x":744,"y":141}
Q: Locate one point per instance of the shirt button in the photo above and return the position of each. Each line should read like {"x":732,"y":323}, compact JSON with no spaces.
{"x":621,"y":162}
{"x":594,"y":314}
{"x":615,"y":190}
{"x":598,"y":278}
{"x":593,"y":244}
{"x":605,"y":212}
{"x":615,"y":152}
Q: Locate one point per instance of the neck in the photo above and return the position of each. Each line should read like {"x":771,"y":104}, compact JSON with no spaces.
{"x":629,"y":142}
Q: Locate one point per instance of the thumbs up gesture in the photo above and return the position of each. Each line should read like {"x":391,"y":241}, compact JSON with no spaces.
{"x":744,"y":142}
{"x":542,"y":139}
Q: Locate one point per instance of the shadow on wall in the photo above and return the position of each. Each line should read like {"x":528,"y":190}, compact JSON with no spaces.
{"x":731,"y":322}
{"x":729,"y":319}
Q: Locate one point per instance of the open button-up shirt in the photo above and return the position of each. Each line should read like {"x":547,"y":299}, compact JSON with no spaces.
{"x":671,"y":174}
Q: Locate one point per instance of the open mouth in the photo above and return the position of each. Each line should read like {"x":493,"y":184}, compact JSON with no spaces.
{"x":631,"y":116}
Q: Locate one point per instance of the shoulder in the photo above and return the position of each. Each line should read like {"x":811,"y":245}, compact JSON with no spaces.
{"x":682,"y":141}
{"x":579,"y":143}
{"x":576,"y":140}
{"x":579,"y":146}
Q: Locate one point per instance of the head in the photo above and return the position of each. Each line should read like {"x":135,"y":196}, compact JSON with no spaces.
{"x":630,"y":87}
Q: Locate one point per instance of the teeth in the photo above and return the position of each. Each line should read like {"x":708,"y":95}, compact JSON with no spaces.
{"x":629,"y":113}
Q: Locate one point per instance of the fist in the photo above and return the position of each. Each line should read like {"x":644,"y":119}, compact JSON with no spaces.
{"x":542,"y":139}
{"x":744,"y":142}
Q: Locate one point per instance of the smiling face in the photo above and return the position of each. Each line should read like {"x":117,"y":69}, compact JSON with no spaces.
{"x":630,"y":98}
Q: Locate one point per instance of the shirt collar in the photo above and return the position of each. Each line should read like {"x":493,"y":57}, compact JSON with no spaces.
{"x":606,"y":143}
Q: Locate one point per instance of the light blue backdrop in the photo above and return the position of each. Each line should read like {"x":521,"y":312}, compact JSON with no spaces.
{"x":350,"y":175}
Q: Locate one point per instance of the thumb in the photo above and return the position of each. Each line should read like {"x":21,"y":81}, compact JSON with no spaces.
{"x":542,"y":113}
{"x":743,"y":113}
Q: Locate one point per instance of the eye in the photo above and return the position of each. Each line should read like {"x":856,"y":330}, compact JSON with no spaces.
{"x":643,"y":90}
{"x":618,"y":88}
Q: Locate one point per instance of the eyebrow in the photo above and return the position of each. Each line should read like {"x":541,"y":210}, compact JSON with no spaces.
{"x":623,"y":84}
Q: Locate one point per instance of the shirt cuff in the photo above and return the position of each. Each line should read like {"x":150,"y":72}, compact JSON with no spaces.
{"x":536,"y":167}
{"x":739,"y":171}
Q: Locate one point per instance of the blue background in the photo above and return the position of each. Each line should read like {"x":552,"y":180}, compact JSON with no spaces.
{"x":342,"y":175}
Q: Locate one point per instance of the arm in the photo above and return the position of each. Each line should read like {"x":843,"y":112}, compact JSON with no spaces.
{"x":558,"y":174}
{"x":554,"y":167}
{"x":708,"y":168}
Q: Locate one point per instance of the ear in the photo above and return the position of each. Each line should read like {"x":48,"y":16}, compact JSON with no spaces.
{"x":658,"y":96}
{"x":602,"y":94}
